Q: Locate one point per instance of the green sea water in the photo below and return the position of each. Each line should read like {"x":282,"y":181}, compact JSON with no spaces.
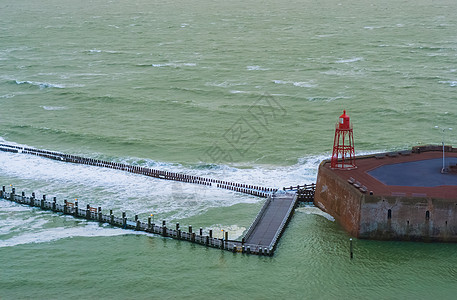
{"x":243,"y":91}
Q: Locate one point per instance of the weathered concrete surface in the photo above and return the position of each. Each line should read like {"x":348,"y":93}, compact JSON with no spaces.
{"x":390,"y":212}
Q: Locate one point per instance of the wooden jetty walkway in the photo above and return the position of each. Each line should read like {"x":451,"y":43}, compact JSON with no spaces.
{"x":261,"y":238}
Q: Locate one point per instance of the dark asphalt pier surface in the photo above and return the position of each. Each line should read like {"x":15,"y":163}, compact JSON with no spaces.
{"x":272,"y":219}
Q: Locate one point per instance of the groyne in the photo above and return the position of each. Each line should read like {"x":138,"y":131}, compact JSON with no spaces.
{"x":254,"y":190}
{"x":261,"y":238}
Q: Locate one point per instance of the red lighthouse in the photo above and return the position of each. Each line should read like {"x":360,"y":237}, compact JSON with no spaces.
{"x":343,"y":156}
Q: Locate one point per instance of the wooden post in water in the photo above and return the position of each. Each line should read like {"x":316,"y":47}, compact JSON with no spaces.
{"x":211,"y":233}
{"x":111,"y":217}
{"x":54,"y":204}
{"x":350,"y":247}
{"x":100,"y":215}
{"x":13,"y":190}
{"x":65,"y":207}
{"x":76,"y":212}
{"x":32,"y":199}
{"x":42,"y":202}
{"x":138,"y":225}
{"x":88,"y":212}
{"x":124,"y":220}
{"x":164,"y":228}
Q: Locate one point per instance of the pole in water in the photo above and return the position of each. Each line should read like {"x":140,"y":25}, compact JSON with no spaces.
{"x":350,"y":246}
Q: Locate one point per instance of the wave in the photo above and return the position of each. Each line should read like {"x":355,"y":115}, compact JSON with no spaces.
{"x":452,"y":83}
{"x":172,"y":65}
{"x":45,"y":85}
{"x":103,"y":51}
{"x":349,"y":60}
{"x":307,"y":84}
{"x":256,"y":68}
{"x":53,"y":107}
{"x":46,"y":235}
{"x":326,"y":99}
{"x":225,"y":84}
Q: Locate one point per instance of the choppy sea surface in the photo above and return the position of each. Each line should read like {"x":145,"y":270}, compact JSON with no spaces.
{"x":242,"y":91}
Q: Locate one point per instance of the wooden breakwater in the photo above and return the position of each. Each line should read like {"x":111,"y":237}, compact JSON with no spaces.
{"x":95,"y":214}
{"x":261,"y":238}
{"x":254,"y":190}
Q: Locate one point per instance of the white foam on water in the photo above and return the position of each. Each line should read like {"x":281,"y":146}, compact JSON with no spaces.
{"x":306,"y":84}
{"x":175,"y":65}
{"x":256,"y":68}
{"x":227,"y":84}
{"x":53,"y":107}
{"x":327,"y":99}
{"x":312,"y":210}
{"x":44,"y":85}
{"x":53,"y":234}
{"x":452,"y":83}
{"x":349,"y":60}
{"x":239,"y":92}
{"x":41,"y":85}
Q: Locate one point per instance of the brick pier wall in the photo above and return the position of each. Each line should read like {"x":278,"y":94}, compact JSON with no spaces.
{"x":385,"y":217}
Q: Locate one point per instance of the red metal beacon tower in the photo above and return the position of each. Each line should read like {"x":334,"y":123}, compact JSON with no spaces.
{"x":343,"y":156}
